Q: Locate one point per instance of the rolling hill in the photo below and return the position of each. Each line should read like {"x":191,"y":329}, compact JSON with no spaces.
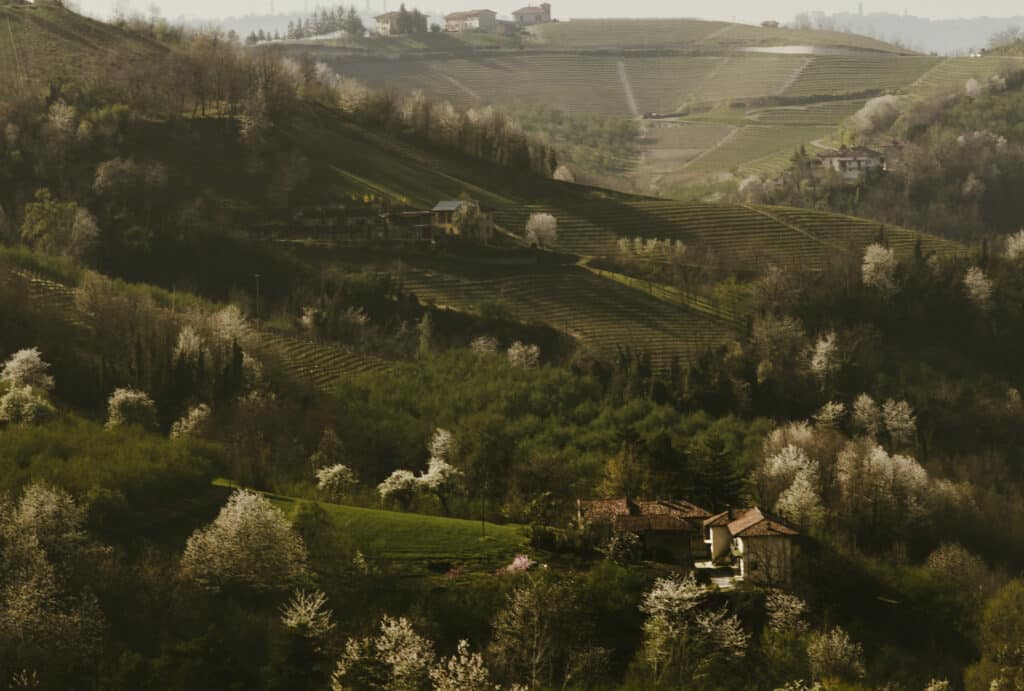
{"x":44,"y":42}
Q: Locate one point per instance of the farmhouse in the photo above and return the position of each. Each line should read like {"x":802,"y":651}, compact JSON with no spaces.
{"x":529,"y":16}
{"x":474,"y":20}
{"x":478,"y":222}
{"x":387,"y":24}
{"x":669,"y":530}
{"x":758,"y":547}
{"x":852,"y":163}
{"x":770,"y":24}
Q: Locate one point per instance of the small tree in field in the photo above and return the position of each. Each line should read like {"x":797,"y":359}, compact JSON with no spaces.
{"x":879,"y":269}
{"x":23,"y":406}
{"x":130,"y":407}
{"x":250,"y":544}
{"x":441,"y":477}
{"x":522,"y":355}
{"x":336,"y":481}
{"x":542,"y":230}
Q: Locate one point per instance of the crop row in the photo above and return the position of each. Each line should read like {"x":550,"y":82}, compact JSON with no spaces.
{"x":829,"y":75}
{"x":322,"y":365}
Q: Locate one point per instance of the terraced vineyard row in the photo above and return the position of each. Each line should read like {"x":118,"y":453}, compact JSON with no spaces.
{"x":322,"y":365}
{"x":951,"y":75}
{"x":826,"y":114}
{"x":833,"y":75}
{"x":748,"y":77}
{"x":754,"y":145}
{"x":600,"y":313}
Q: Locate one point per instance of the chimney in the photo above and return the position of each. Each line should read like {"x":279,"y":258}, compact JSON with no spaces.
{"x":547,"y":11}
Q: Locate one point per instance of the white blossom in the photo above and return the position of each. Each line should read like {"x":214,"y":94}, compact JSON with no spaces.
{"x":193,"y":422}
{"x":228,"y":325}
{"x":938,"y":685}
{"x":830,"y":415}
{"x":833,"y":654}
{"x":673,"y":597}
{"x":484,"y":344}
{"x":306,"y":613}
{"x":523,"y":355}
{"x":785,"y":612}
{"x":441,"y":444}
{"x":335,"y":480}
{"x":900,"y":422}
{"x":801,"y":501}
{"x":130,"y":407}
{"x":542,"y":230}
{"x":463,"y":671}
{"x":250,"y":543}
{"x":521,"y":563}
{"x":190,"y":343}
{"x":978,"y":287}
{"x":21,"y":405}
{"x":879,"y":269}
{"x":823,"y":356}
{"x":723,"y":632}
{"x":867,"y":416}
{"x":409,"y":655}
{"x":27,"y":368}
{"x":1015,"y":246}
{"x":401,"y":485}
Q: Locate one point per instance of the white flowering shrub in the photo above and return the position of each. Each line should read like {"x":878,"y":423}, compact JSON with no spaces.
{"x":978,"y":288}
{"x":250,"y":544}
{"x":400,"y":486}
{"x":21,"y":405}
{"x":441,"y":478}
{"x":879,"y":269}
{"x":463,"y":671}
{"x":830,"y":415}
{"x":521,"y":563}
{"x":130,"y":407}
{"x":307,"y":615}
{"x":801,"y":503}
{"x":190,"y":344}
{"x":193,"y":423}
{"x":522,"y":355}
{"x":336,"y":480}
{"x":26,"y":368}
{"x":833,"y":655}
{"x":723,"y":633}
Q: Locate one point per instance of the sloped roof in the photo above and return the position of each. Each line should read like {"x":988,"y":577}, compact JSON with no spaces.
{"x":528,"y":10}
{"x":647,"y":524}
{"x":455,"y":16}
{"x":749,"y":523}
{"x":603,"y":510}
{"x":679,"y":508}
{"x":723,"y":519}
{"x":668,"y":514}
{"x":387,"y":17}
{"x":855,"y":152}
{"x":448,"y":206}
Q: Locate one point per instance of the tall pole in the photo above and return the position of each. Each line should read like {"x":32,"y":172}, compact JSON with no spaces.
{"x":257,"y":276}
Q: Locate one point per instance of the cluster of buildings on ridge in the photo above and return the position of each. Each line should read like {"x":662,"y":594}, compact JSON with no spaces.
{"x":724,"y":548}
{"x":482,"y":21}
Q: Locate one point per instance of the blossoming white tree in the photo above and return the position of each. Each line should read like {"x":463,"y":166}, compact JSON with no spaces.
{"x":1015,"y":246}
{"x":833,"y":655}
{"x":542,"y":230}
{"x":824,"y":356}
{"x":830,"y":415}
{"x":400,"y":486}
{"x":401,"y":659}
{"x":523,"y":355}
{"x":801,"y":501}
{"x":978,"y":288}
{"x":130,"y":407}
{"x":441,"y":478}
{"x":879,"y":269}
{"x":867,"y":416}
{"x":250,"y":544}
{"x":193,"y":422}
{"x":27,"y":368}
{"x":463,"y":671}
{"x":22,"y":405}
{"x":785,"y":611}
{"x":336,"y":480}
{"x":306,"y":613}
{"x":900,"y":422}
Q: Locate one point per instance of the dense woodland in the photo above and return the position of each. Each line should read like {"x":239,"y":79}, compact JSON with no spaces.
{"x":876,"y":405}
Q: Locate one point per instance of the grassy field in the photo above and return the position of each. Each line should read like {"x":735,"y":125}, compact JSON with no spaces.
{"x":41,"y":43}
{"x":411,"y":544}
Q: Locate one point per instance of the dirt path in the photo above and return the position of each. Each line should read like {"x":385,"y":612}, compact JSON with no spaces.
{"x":627,"y":88}
{"x":461,"y":87}
{"x":791,"y":79}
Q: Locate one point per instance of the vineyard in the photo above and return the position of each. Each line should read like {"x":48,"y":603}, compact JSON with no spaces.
{"x":322,"y":366}
{"x":758,"y":150}
{"x":602,"y":314}
{"x":833,"y":75}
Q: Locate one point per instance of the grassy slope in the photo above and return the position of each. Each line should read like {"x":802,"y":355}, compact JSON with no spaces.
{"x":43,"y":43}
{"x":410,"y":542}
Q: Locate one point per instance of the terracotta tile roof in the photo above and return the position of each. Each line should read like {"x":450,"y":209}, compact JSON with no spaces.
{"x":603,"y":510}
{"x":855,"y":152}
{"x":683,"y":515}
{"x":679,"y":508}
{"x":725,"y":518}
{"x":749,"y":523}
{"x":647,"y":524}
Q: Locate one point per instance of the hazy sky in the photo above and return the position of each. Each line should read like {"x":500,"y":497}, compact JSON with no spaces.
{"x":741,"y":10}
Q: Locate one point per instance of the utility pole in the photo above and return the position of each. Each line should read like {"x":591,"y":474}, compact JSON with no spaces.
{"x":257,"y":277}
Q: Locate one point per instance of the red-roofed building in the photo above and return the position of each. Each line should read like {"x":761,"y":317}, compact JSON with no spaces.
{"x":669,"y":530}
{"x":759,"y":546}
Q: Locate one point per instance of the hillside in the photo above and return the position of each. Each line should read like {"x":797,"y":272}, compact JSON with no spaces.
{"x":45,"y":42}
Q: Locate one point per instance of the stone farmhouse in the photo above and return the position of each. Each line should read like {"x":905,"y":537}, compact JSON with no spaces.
{"x":758,"y":547}
{"x":735,"y":545}
{"x":852,"y":164}
{"x":485,"y":21}
{"x":444,"y":216}
{"x":387,"y":24}
{"x":529,"y":16}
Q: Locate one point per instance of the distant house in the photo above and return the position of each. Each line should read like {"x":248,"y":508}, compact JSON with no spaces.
{"x":852,"y":163}
{"x":387,"y":24}
{"x":757,"y":546}
{"x":474,"y":20}
{"x":770,"y":24}
{"x":529,"y":16}
{"x":444,"y":216}
{"x":669,"y":530}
